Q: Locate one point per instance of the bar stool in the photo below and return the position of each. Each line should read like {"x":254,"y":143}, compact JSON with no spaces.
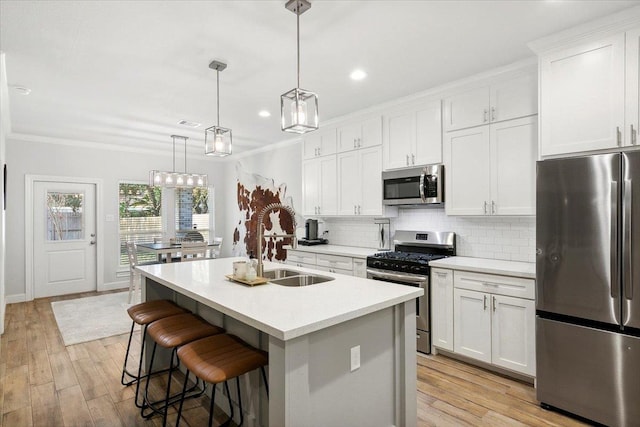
{"x":143,"y":314}
{"x":219,"y":358}
{"x":171,"y":333}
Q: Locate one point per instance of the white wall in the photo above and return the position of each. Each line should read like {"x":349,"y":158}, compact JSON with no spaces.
{"x":76,"y":161}
{"x":5,"y":128}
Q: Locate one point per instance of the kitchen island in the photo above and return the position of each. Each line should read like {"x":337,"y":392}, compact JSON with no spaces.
{"x":341,"y":352}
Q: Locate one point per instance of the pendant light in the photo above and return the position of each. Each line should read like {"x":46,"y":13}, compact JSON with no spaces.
{"x":299,"y":107}
{"x":175,"y":179}
{"x":217,"y":140}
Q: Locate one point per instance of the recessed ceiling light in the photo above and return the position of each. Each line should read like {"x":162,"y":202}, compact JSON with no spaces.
{"x":358,"y":75}
{"x":22,"y":90}
{"x":264,"y":113}
{"x":189,"y":124}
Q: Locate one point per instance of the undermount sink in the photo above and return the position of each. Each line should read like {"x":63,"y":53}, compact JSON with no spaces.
{"x":280,"y":273}
{"x":301,"y":280}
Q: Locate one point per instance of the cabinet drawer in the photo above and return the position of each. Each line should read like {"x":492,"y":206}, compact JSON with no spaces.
{"x":333,"y":261}
{"x":301,"y":257}
{"x":491,"y":283}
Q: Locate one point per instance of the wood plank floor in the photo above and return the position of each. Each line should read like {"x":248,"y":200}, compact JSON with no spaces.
{"x":44,"y":383}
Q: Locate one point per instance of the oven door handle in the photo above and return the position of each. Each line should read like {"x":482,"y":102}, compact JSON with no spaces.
{"x":396,"y":276}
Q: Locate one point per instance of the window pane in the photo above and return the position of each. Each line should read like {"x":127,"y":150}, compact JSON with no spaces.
{"x":192,"y":213}
{"x":140,"y":218}
{"x":64,"y":216}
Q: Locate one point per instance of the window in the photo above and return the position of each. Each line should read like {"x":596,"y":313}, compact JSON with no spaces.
{"x":192,"y":213}
{"x":140,"y":218}
{"x":64,"y":216}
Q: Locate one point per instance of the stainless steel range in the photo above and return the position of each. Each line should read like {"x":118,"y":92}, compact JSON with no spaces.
{"x":408,"y":265}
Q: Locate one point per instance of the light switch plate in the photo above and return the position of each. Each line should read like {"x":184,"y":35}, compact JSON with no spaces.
{"x":355,"y":358}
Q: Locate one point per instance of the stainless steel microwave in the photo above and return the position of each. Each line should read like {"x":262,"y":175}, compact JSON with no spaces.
{"x":415,"y":186}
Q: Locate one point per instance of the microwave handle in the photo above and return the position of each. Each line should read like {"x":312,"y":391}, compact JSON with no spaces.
{"x":422,"y":177}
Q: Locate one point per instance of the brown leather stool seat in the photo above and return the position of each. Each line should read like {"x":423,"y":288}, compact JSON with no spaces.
{"x":172,"y":332}
{"x":143,"y":314}
{"x":219,"y":358}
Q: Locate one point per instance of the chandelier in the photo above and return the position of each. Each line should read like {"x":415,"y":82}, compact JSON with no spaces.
{"x":299,"y":107}
{"x":175,"y":179}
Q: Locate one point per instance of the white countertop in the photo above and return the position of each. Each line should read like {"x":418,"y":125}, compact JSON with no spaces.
{"x":281,"y":311}
{"x":490,"y":266}
{"x":352,"y":251}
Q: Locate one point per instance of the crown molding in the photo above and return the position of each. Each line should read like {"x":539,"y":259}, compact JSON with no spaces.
{"x":602,"y":27}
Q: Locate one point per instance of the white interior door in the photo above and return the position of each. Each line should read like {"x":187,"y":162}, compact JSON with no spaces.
{"x":64,"y":238}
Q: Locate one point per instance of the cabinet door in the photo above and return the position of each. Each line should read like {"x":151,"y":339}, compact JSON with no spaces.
{"x":399,"y":139}
{"x":514,"y":146}
{"x":632,"y":89}
{"x":370,"y":184}
{"x":371,"y":133}
{"x":513,"y":334}
{"x":513,"y":98}
{"x":328,"y":142}
{"x":349,"y":136}
{"x":467,"y":166}
{"x":442,"y":308}
{"x":582,"y":96}
{"x":428,"y":145}
{"x":472,"y":324}
{"x":349,"y":190}
{"x":467,"y":109}
{"x":311,"y":145}
{"x":310,"y":187}
{"x":327,"y":199}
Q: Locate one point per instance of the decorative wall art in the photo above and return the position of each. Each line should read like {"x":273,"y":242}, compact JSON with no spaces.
{"x":254,"y":192}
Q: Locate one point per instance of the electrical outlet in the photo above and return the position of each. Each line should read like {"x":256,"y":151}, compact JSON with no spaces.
{"x":355,"y":358}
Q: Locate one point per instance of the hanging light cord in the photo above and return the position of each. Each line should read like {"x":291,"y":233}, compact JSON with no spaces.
{"x":174,"y":153}
{"x":185,"y":154}
{"x":218,"y":95}
{"x":298,"y":39}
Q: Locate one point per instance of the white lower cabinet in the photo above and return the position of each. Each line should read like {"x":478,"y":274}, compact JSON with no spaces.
{"x":330,"y":263}
{"x":442,"y":308}
{"x":486,"y":317}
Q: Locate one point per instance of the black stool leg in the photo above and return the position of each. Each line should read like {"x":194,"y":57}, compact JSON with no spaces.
{"x":264,"y":377}
{"x":126,"y":356}
{"x":239,"y":402}
{"x":184,"y":392}
{"x":226,"y":386}
{"x":213,"y":399}
{"x":145,"y":396}
{"x":168,"y":394}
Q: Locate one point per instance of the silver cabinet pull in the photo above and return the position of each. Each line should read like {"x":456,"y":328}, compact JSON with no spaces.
{"x":485,"y":207}
{"x":439,"y":274}
{"x":618,"y":135}
{"x":355,"y":142}
{"x":493,"y":114}
{"x":634,"y":136}
{"x":318,"y":209}
{"x":359,"y":142}
{"x":355,"y":210}
{"x":484,"y":115}
{"x":407,"y":160}
{"x":484,"y":297}
{"x":358,"y":209}
{"x":494,"y":304}
{"x":493,"y":207}
{"x":413,"y":159}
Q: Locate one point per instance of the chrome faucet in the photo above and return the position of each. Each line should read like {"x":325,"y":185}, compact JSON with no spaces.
{"x":271,"y":207}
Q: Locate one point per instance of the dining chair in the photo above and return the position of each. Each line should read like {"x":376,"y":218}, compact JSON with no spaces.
{"x":134,"y":276}
{"x":215,"y":250}
{"x":192,"y":251}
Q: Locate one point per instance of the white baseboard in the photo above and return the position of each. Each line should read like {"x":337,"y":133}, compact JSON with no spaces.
{"x":12,"y":299}
{"x":114,"y":285}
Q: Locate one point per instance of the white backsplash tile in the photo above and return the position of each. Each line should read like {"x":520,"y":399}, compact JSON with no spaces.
{"x":506,"y":238}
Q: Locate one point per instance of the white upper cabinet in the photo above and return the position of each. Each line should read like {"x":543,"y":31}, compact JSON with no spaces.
{"x":413,"y":135}
{"x":583,"y":96}
{"x":319,"y":143}
{"x":632,"y":89}
{"x":490,"y":170}
{"x":507,"y":99}
{"x":319,"y":186}
{"x":360,"y":134}
{"x":359,"y":183}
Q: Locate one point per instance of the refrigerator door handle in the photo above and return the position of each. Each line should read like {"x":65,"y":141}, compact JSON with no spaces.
{"x":614,"y":240}
{"x":627,"y":250}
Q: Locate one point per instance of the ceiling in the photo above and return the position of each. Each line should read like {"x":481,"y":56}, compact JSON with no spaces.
{"x":125,"y":72}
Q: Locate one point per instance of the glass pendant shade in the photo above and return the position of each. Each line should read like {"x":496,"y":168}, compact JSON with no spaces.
{"x":299,"y":111}
{"x":217,"y":141}
{"x":173,"y":179}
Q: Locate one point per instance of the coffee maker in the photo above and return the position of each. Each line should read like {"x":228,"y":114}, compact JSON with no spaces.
{"x":311,"y":229}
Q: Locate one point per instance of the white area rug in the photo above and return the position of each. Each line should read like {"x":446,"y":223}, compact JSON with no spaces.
{"x":92,"y":318}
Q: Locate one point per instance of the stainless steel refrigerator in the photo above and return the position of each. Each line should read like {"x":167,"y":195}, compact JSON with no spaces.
{"x":588,"y":286}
